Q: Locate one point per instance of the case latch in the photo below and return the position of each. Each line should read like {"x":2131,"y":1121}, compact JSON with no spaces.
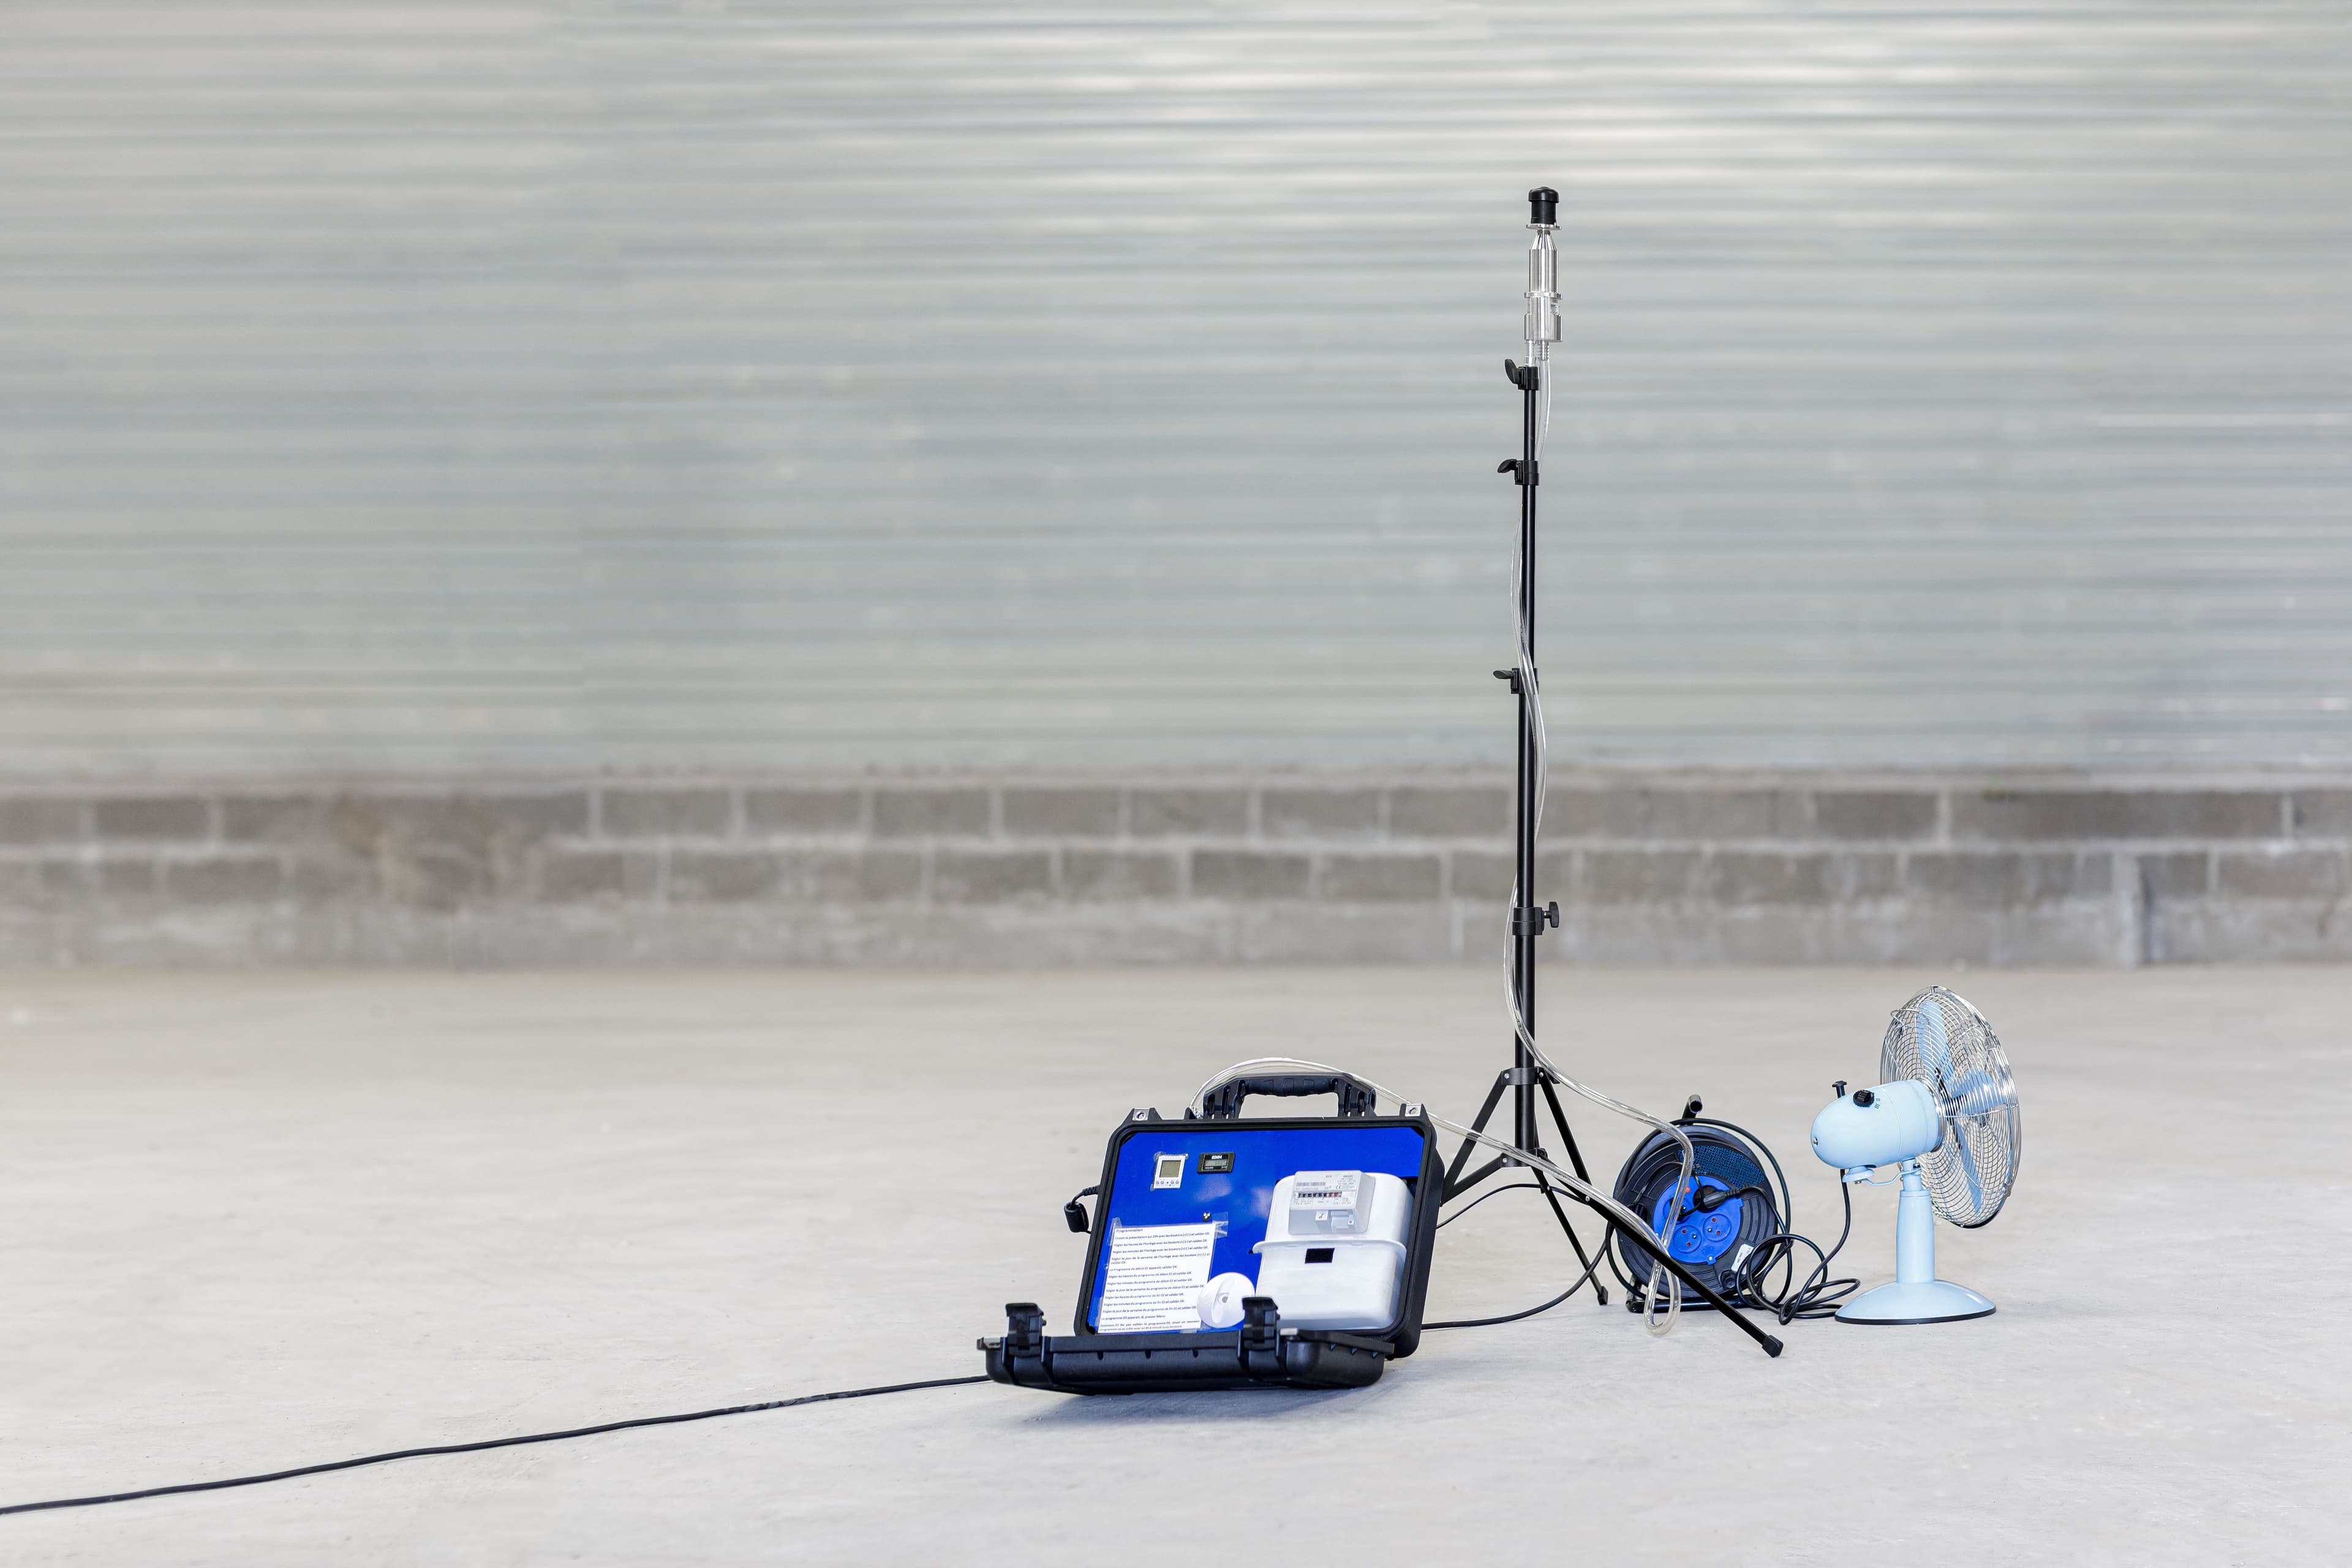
{"x":1260,"y":1334}
{"x":1025,"y":1331}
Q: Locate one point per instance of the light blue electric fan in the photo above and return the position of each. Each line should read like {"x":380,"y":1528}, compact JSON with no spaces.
{"x":1946,"y":1115}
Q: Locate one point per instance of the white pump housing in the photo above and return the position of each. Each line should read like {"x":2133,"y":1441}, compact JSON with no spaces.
{"x":1334,"y":1252}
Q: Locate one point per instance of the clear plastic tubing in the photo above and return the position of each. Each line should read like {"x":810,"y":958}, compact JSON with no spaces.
{"x":1541,"y":327}
{"x":1567,"y":1179}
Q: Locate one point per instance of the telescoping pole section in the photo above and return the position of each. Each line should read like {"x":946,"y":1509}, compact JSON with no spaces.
{"x":1540,"y":329}
{"x":1529,"y":916}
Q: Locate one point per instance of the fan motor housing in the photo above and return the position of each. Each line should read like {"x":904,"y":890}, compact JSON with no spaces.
{"x":1881,"y":1126}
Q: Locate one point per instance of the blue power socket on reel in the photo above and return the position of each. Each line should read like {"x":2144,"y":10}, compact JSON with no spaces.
{"x":1730,"y":1206}
{"x":1702,"y":1235}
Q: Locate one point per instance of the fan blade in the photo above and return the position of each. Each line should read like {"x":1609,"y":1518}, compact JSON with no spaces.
{"x":1936,"y":1053}
{"x":1969,"y":1170}
{"x":1935,"y":1049}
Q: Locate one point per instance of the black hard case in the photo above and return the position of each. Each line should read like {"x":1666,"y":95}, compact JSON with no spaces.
{"x":1260,"y":1353}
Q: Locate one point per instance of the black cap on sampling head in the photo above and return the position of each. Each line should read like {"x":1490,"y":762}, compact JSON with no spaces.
{"x":1543,"y":205}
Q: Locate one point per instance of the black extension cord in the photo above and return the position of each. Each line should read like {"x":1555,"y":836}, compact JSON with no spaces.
{"x":1817,"y":1297}
{"x":385,"y":1458}
{"x":478,"y":1447}
{"x":1582,"y":1280}
{"x":1482,"y":1197}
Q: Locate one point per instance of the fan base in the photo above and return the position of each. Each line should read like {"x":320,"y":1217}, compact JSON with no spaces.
{"x":1915,"y":1301}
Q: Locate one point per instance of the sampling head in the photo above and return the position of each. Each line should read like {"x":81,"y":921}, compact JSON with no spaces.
{"x":1543,"y":274}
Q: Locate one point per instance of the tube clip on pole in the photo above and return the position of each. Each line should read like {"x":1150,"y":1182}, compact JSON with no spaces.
{"x":1521,"y":471}
{"x":1528,"y":920}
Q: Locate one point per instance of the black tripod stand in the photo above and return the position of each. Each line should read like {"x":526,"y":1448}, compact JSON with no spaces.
{"x":1526,"y":1079}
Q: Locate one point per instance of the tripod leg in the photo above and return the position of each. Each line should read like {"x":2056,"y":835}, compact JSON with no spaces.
{"x":1649,"y":1244}
{"x":1600,"y":1290}
{"x":1560,"y":1119}
{"x":1576,"y":1162}
{"x":1453,"y":1182}
{"x":1453,"y":1191}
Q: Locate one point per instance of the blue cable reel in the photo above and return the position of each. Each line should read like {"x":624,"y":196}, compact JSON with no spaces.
{"x":1734,"y":1200}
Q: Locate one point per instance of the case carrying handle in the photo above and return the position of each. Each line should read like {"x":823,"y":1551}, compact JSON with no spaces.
{"x":1224,"y":1102}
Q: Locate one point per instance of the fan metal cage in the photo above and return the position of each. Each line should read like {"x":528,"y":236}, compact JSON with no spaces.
{"x":1941,"y":1041}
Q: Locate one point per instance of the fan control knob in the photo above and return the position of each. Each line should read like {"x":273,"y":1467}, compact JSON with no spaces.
{"x":1864,"y":1097}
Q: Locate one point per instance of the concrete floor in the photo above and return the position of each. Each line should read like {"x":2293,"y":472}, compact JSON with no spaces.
{"x":252,"y":1221}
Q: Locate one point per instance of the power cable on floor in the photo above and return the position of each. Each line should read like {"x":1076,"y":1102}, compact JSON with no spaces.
{"x":478,"y":1447}
{"x":1482,"y":1197}
{"x":1582,"y":1280}
{"x":1803,"y":1298}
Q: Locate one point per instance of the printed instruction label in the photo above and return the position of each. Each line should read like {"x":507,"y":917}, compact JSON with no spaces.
{"x":1152,"y":1283}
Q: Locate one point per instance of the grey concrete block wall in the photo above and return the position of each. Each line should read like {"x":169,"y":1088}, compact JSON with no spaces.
{"x":1647,"y":868}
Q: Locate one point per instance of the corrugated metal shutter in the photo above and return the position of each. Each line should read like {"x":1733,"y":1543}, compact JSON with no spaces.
{"x":405,"y":387}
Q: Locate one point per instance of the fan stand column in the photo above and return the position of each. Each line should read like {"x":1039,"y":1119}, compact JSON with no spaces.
{"x":1917,"y":1295}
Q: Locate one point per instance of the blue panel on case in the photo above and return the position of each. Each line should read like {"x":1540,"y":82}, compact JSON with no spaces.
{"x":1239,"y":1196}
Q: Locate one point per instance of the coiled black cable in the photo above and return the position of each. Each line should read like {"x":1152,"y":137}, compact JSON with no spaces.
{"x":1819,"y":1296}
{"x":1746,"y":1284}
